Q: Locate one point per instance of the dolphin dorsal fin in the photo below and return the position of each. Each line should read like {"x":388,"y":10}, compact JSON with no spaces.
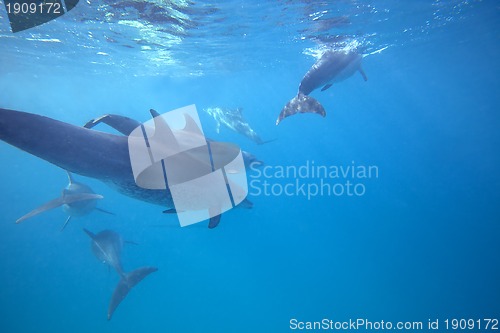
{"x":70,"y":177}
{"x":191,"y":125}
{"x":162,"y":129}
{"x":154,"y":113}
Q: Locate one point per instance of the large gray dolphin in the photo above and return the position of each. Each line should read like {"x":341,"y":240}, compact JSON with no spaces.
{"x":333,"y":66}
{"x":107,"y":246}
{"x":77,"y":199}
{"x":84,"y":151}
{"x":234,"y":120}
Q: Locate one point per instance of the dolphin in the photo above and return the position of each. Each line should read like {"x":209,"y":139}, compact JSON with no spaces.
{"x":234,"y":120}
{"x":126,"y":125}
{"x":77,"y":199}
{"x":85,"y":151}
{"x":333,"y":66}
{"x":107,"y":246}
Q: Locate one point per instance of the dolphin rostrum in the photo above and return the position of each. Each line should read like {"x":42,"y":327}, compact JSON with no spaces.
{"x":85,"y":151}
{"x":333,"y":66}
{"x":77,"y":199}
{"x":107,"y":246}
{"x":234,"y":120}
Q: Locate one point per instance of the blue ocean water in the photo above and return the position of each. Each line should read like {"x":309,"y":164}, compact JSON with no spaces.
{"x":421,"y":243}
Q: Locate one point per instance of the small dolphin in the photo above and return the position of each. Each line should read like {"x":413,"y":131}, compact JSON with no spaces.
{"x":333,"y":66}
{"x":77,"y":199}
{"x":107,"y":246}
{"x":234,"y":120}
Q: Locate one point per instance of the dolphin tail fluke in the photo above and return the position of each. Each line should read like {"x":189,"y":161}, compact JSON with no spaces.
{"x":127,"y":282}
{"x":301,"y":104}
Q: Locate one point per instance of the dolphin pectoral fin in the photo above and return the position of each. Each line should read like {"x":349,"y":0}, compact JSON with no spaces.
{"x":71,"y":198}
{"x":246,"y":204}
{"x":326,"y":87}
{"x":266,"y":141}
{"x":104,"y":211}
{"x":90,"y":233}
{"x":127,"y":282}
{"x":301,"y":104}
{"x":214,"y":220}
{"x":122,"y":124}
{"x":92,"y":122}
{"x":170,"y":211}
{"x":65,"y":223}
{"x":256,"y":138}
{"x":363,"y":74}
{"x":215,"y":212}
{"x":45,"y":207}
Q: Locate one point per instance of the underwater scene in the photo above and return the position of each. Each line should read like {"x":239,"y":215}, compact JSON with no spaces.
{"x":249,"y":166}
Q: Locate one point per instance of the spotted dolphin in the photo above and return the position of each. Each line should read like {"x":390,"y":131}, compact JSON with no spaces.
{"x":107,"y":246}
{"x":234,"y":120}
{"x":77,"y":199}
{"x":333,"y":66}
{"x":84,"y":151}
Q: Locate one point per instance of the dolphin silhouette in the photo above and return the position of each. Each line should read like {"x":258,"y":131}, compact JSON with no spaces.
{"x":333,"y":66}
{"x":234,"y":120}
{"x":107,"y":246}
{"x":85,"y":151}
{"x":77,"y":199}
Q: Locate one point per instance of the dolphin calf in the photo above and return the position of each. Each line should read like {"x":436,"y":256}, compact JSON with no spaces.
{"x":107,"y":246}
{"x":333,"y":66}
{"x":87,"y":152}
{"x":234,"y":120}
{"x":77,"y":199}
